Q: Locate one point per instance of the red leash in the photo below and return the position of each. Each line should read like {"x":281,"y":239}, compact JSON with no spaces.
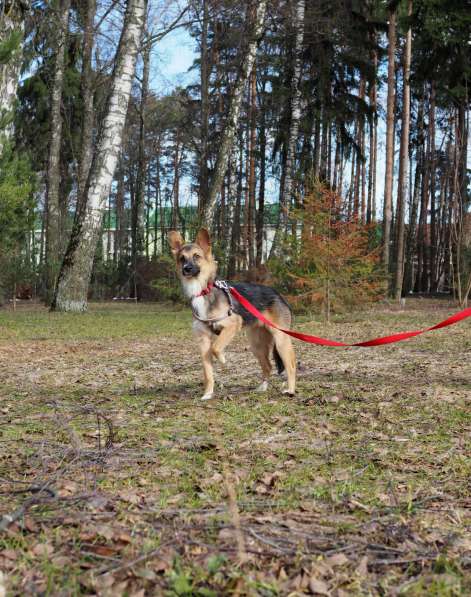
{"x":325,"y":342}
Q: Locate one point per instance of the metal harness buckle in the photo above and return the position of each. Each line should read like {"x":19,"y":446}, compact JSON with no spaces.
{"x":224,"y":286}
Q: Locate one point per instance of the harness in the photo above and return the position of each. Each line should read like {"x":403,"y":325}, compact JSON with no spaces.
{"x":221,"y":285}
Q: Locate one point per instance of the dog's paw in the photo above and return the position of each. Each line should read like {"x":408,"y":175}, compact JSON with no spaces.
{"x":220,"y":356}
{"x":263,"y":387}
{"x":287,"y":393}
{"x":207,"y":396}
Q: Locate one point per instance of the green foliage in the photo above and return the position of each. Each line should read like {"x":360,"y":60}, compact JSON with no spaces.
{"x":333,"y":267}
{"x":17,"y":184}
{"x":166,"y":283}
{"x":9,"y":46}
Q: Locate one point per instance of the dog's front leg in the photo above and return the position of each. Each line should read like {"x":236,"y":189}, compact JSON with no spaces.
{"x":204,"y":342}
{"x":228,"y":331}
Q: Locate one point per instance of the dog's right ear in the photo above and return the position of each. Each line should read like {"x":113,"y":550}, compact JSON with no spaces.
{"x":175,"y":241}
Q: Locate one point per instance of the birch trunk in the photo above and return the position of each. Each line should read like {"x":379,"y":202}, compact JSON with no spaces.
{"x":75,"y":274}
{"x":53,"y":176}
{"x":286,"y":188}
{"x":403,"y":162}
{"x":229,"y":132}
{"x":388,"y":182}
{"x":12,"y":24}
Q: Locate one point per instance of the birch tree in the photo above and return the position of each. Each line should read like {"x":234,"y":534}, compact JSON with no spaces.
{"x":230,"y":128}
{"x":12,"y":23}
{"x":76,"y":270}
{"x":286,"y":188}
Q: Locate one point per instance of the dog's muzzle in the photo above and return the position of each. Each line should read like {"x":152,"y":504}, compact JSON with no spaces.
{"x":190,"y":270}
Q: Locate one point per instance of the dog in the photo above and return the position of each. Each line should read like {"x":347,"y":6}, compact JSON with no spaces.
{"x":217,"y":317}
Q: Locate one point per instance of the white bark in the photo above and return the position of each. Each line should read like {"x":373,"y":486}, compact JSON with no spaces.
{"x":286,"y":188}
{"x":11,"y":24}
{"x":74,"y":278}
{"x":229,"y":132}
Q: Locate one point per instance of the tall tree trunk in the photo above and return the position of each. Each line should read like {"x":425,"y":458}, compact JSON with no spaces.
{"x":176,"y":181}
{"x":286,"y":189}
{"x":252,"y":182}
{"x":204,"y":75}
{"x":86,"y":91}
{"x":53,"y":177}
{"x":230,"y":128}
{"x":403,"y":161}
{"x":138,"y":223}
{"x":388,"y":182}
{"x":12,"y":25}
{"x":74,"y":278}
{"x":261,"y":190}
{"x":433,"y":219}
{"x":373,"y":142}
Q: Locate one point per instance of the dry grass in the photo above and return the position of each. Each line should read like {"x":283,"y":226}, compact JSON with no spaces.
{"x":118,"y":477}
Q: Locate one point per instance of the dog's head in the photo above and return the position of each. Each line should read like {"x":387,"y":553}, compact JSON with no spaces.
{"x":196,"y":266}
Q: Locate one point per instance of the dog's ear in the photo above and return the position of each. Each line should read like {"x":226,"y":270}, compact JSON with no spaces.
{"x":203,"y":240}
{"x":175,"y":241}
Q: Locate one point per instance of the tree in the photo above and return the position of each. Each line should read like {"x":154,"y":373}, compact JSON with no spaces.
{"x":388,"y":182}
{"x":402,"y":185}
{"x":76,"y":270}
{"x":54,"y":226}
{"x":230,"y":128}
{"x":12,"y":24}
{"x":286,"y":186}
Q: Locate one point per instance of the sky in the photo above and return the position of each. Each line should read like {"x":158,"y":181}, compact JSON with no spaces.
{"x":172,"y":57}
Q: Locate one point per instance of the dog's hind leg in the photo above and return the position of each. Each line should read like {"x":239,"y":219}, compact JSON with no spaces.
{"x":261,"y":343}
{"x":285,"y":350}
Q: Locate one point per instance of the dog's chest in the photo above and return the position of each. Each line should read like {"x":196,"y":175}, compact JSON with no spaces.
{"x":200,"y":306}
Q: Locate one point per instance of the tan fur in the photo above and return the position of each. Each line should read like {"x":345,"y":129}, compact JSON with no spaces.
{"x":211,"y":344}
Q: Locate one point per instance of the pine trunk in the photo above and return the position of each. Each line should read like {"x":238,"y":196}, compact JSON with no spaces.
{"x":54,"y":222}
{"x":388,"y":183}
{"x":403,"y":163}
{"x":86,"y":91}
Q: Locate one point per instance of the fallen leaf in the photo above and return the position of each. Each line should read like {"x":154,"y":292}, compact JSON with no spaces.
{"x":362,"y":568}
{"x":9,"y":554}
{"x":338,"y":559}
{"x":318,"y":587}
{"x":42,"y":550}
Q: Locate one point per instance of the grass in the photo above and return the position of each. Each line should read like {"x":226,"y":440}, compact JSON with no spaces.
{"x":357,"y":486}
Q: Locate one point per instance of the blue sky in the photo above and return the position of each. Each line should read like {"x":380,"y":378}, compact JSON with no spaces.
{"x":171,"y":59}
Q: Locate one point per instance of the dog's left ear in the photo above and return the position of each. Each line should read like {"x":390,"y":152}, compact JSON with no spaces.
{"x":203,"y":240}
{"x":175,"y":241}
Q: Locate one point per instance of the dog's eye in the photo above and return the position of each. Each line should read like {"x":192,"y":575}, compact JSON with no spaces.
{"x":196,"y":257}
{"x":182,"y":259}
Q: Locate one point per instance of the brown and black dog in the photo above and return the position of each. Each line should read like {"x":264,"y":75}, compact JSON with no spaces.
{"x":216,"y":321}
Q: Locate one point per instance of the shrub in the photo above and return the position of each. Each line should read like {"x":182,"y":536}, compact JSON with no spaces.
{"x":333,"y":266}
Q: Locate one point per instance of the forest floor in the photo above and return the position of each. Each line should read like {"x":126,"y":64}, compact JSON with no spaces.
{"x":121,"y":482}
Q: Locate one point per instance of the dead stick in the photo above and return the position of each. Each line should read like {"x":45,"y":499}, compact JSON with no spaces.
{"x":234,"y":513}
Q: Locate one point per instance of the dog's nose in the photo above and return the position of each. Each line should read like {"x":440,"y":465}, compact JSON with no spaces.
{"x":187,"y":268}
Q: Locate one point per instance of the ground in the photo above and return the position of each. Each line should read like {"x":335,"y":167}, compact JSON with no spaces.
{"x":116,"y":480}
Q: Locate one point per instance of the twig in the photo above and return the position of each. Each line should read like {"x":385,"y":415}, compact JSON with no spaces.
{"x":235,"y":514}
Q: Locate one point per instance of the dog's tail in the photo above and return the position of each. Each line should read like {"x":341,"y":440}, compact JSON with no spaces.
{"x":278,"y":361}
